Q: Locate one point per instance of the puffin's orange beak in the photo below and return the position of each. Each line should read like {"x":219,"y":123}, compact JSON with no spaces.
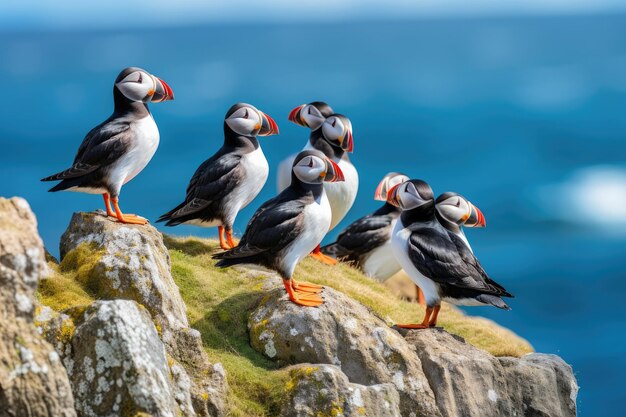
{"x":268,"y":126}
{"x":163,"y":92}
{"x":475,"y":219}
{"x":392,"y":195}
{"x":333,"y":172}
{"x":294,"y":116}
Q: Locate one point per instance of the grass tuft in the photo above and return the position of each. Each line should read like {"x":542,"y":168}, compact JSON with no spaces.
{"x":219,"y":302}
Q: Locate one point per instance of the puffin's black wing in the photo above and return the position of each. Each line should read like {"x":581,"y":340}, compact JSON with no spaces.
{"x":273,"y":226}
{"x":211,"y":182}
{"x":360,"y":237}
{"x":444,"y":258}
{"x":103,"y":145}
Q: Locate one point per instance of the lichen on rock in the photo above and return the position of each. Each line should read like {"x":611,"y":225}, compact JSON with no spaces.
{"x":33,"y":381}
{"x":120,"y":261}
{"x":433,"y":372}
{"x":323,"y":390}
{"x":344,"y":333}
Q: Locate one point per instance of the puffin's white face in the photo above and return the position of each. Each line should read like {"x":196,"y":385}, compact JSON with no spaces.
{"x":406,"y":196}
{"x":455,"y":209}
{"x":245,"y":121}
{"x":313,"y":169}
{"x":387,"y":183}
{"x":312,"y":116}
{"x":338,"y":131}
{"x":138,"y":86}
{"x":334,"y":128}
{"x":310,"y":169}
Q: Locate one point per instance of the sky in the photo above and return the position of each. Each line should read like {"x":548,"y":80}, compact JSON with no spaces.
{"x":81,"y":14}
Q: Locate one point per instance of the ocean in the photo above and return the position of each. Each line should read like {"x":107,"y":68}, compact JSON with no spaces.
{"x":523,"y":116}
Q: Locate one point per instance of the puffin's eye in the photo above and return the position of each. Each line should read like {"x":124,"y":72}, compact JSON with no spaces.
{"x":309,"y":110}
{"x":245,"y":116}
{"x":140,"y":79}
{"x":458,"y":202}
{"x":311,"y":163}
{"x":334,"y":122}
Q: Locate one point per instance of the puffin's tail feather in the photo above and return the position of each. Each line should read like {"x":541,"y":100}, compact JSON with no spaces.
{"x":335,"y":250}
{"x":63,"y":185}
{"x":493,"y":300}
{"x":168,"y":216}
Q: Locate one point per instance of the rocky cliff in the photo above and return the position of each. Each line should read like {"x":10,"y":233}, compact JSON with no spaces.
{"x":130,"y":323}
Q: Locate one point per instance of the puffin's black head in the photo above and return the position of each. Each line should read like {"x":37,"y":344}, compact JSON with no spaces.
{"x":337,"y":130}
{"x":246,"y":120}
{"x":457,"y":209}
{"x":136,"y":84}
{"x":311,"y":115}
{"x":411,"y":194}
{"x":388,"y":182}
{"x":313,"y":167}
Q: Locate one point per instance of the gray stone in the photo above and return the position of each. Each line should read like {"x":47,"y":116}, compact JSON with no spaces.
{"x":344,"y":333}
{"x":470,"y":382}
{"x":131,"y":262}
{"x":118,"y":364}
{"x":33,"y":381}
{"x":316,"y":390}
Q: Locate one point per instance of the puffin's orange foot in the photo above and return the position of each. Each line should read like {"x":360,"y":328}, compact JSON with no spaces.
{"x":324,"y":258}
{"x":310,"y":285}
{"x":300,"y":287}
{"x":131,"y":219}
{"x":229,"y":239}
{"x":412,"y":326}
{"x":306,"y":300}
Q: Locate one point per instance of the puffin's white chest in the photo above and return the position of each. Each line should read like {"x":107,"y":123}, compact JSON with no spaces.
{"x":341,"y":195}
{"x":400,"y":244}
{"x":381,"y":262}
{"x":316,"y":219}
{"x":255,"y":171}
{"x":143,"y":146}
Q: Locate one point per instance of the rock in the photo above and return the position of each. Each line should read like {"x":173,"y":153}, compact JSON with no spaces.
{"x":125,"y":261}
{"x":471,"y":382}
{"x":323,"y":390}
{"x":119,"y":364}
{"x":33,"y":381}
{"x":344,"y":333}
{"x":434,"y":372}
{"x":120,"y":261}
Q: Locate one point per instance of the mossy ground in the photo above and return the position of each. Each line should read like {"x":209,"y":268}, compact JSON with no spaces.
{"x":219,"y":302}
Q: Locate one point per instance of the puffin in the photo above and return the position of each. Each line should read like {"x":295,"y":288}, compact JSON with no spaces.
{"x":366,"y":243}
{"x":311,"y":115}
{"x":286,"y":228}
{"x":333,"y":138}
{"x":454,"y":212}
{"x":230,"y":179}
{"x":119,"y":148}
{"x":437,"y":260}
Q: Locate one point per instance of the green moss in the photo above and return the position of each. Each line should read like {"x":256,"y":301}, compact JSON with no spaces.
{"x":62,"y":290}
{"x":220,"y":301}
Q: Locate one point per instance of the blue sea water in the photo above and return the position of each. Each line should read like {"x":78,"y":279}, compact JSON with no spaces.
{"x":524,"y":116}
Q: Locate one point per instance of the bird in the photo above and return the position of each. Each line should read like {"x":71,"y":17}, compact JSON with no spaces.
{"x":286,"y":228}
{"x":366,"y":243}
{"x":333,"y":138}
{"x":119,"y":148}
{"x":311,"y":115}
{"x":230,"y":179}
{"x":455,"y":212}
{"x":435,"y":259}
